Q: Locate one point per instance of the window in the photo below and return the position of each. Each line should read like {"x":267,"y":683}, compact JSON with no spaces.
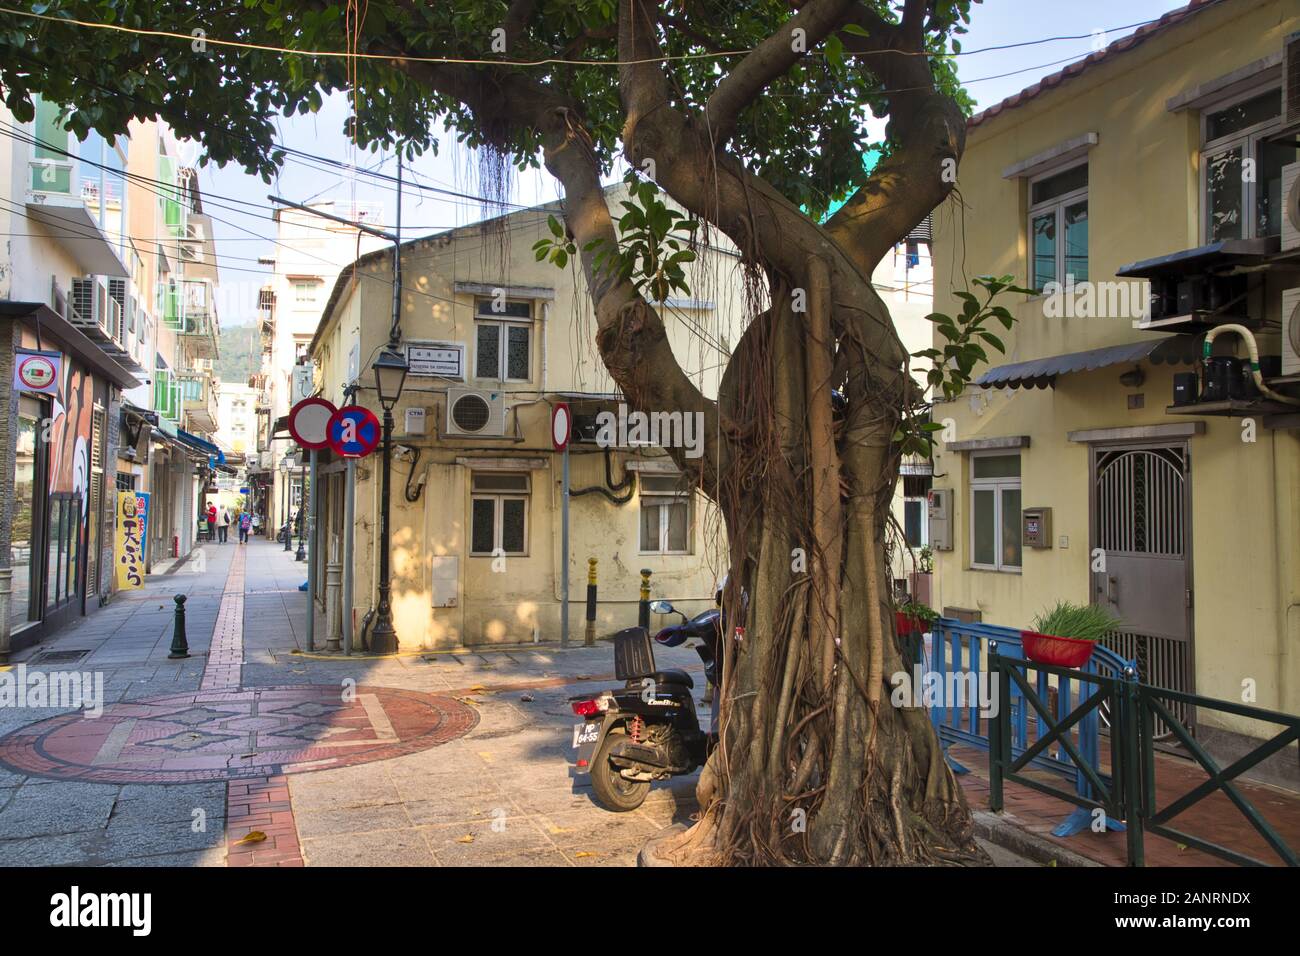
{"x":1058,"y":227}
{"x":1241,"y":171}
{"x":498,"y":513}
{"x":995,"y":512}
{"x":665,"y":515}
{"x":503,"y":339}
{"x":304,"y":293}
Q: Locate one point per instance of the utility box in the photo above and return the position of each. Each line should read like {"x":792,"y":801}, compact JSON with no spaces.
{"x":415,"y":421}
{"x":1036,"y":527}
{"x":939,"y":507}
{"x":446,"y":580}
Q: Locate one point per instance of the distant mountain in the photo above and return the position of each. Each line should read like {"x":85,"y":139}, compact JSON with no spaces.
{"x":241,"y":353}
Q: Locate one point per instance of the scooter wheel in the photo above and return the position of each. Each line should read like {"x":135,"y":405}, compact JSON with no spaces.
{"x":613,"y":790}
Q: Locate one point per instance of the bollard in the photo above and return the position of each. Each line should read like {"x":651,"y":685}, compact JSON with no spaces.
{"x":590,"y":638}
{"x":643,"y":612}
{"x":180,"y":648}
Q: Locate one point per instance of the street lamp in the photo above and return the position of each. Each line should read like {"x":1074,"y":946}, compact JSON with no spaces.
{"x":390,"y":375}
{"x":284,"y":500}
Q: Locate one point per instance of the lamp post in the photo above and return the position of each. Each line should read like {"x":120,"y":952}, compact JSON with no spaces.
{"x":390,"y":375}
{"x":284,"y":501}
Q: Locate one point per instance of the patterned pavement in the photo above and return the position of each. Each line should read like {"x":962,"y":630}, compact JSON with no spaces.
{"x":254,"y":753}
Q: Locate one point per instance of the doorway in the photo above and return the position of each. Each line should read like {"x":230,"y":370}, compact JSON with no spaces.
{"x":1140,"y":560}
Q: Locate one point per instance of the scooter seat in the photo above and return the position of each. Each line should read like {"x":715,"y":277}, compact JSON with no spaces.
{"x":672,"y":677}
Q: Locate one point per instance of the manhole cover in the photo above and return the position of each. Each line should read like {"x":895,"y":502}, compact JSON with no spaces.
{"x":60,"y":657}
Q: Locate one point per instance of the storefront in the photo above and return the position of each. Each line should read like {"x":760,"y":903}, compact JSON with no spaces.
{"x":57,"y":478}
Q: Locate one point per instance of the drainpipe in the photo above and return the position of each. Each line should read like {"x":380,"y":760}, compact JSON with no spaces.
{"x":1249,"y":338}
{"x":1286,"y":493}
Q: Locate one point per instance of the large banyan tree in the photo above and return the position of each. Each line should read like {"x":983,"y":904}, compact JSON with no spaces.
{"x":752,"y":115}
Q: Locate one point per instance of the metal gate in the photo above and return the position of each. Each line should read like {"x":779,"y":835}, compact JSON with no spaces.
{"x":1141,"y":508}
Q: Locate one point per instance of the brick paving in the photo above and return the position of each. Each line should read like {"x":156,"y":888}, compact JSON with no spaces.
{"x":1215,"y":818}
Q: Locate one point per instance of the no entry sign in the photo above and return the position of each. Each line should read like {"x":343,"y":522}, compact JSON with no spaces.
{"x":309,"y":422}
{"x":353,"y":432}
{"x":561,"y":426}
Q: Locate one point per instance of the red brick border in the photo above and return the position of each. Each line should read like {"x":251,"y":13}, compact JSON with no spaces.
{"x":261,"y":805}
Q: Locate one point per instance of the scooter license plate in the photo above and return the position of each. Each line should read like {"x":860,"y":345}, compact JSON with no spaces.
{"x":586,"y":733}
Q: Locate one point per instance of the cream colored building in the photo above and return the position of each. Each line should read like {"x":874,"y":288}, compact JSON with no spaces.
{"x":310,"y":252}
{"x":1072,"y":473}
{"x":237,"y":418}
{"x":496,"y":340}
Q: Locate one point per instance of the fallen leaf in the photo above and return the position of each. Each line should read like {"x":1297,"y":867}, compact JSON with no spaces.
{"x":254,"y":836}
{"x":467,"y":838}
{"x":584,"y":853}
{"x":478,"y":689}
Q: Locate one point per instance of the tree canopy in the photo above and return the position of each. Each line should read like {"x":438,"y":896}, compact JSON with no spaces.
{"x":214,"y":71}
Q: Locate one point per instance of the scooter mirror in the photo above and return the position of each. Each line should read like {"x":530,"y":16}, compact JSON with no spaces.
{"x":661,"y":607}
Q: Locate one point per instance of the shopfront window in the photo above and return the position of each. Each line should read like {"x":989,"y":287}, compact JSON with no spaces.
{"x":62,"y":549}
{"x":23,"y":536}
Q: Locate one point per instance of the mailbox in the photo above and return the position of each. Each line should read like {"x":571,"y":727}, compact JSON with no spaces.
{"x":1036,"y":527}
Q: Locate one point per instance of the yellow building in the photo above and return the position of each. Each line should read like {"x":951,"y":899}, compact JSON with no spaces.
{"x":1147,"y":183}
{"x":495,"y":340}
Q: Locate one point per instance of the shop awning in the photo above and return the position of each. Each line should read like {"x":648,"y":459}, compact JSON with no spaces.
{"x":57,"y":331}
{"x":215,"y":454}
{"x":1041,"y":373}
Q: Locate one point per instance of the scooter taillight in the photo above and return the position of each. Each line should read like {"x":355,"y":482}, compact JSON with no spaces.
{"x":663,"y":635}
{"x":586,"y":708}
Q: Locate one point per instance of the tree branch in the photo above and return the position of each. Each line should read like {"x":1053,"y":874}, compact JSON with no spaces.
{"x":927,"y":129}
{"x":770,"y":60}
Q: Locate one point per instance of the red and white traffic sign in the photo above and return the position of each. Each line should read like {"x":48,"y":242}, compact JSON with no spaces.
{"x":561,"y":426}
{"x":353,"y":432}
{"x":309,"y":422}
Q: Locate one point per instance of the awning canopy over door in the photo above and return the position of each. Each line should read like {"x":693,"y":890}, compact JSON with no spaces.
{"x":1041,"y":373}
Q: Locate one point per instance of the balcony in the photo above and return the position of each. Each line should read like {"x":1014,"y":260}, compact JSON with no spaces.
{"x":188,"y":308}
{"x":167,"y":400}
{"x":85,"y":217}
{"x":199,"y":400}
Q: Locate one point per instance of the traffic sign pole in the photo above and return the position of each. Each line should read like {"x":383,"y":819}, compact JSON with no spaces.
{"x":312,"y":533}
{"x":560,"y":428}
{"x":349,"y":518}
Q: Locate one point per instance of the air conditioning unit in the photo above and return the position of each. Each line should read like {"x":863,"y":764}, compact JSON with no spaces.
{"x":1291,"y":206}
{"x":1291,"y":80}
{"x":475,"y":413}
{"x":1291,"y":332}
{"x":89,"y":304}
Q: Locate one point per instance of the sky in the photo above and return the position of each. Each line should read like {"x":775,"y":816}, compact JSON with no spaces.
{"x":241,"y":211}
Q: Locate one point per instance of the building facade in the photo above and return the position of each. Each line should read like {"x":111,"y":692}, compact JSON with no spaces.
{"x":311,"y":251}
{"x":91,"y":270}
{"x":495,"y":341}
{"x":1142,"y":193}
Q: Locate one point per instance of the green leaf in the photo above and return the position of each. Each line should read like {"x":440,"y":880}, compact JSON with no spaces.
{"x":556,"y":229}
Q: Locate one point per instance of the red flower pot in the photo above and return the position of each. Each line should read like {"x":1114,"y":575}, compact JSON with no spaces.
{"x":1052,"y":649}
{"x":903,"y":622}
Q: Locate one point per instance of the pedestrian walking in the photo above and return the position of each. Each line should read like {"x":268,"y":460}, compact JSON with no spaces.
{"x":212,"y":522}
{"x":245,"y":524}
{"x":223,"y":525}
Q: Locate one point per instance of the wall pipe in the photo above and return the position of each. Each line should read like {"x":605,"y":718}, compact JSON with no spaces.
{"x":1249,"y":338}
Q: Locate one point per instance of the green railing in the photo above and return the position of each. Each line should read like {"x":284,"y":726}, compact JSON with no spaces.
{"x":1130,"y":793}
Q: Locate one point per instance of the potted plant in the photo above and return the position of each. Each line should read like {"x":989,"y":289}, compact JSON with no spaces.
{"x":1066,"y":634}
{"x":913,"y":617}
